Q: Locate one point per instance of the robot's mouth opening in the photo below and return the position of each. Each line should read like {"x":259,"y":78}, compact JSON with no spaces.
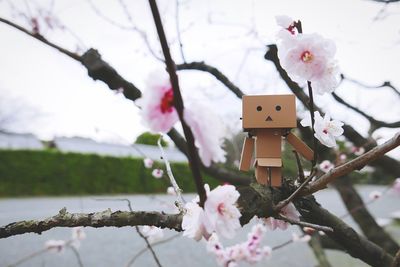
{"x":268,"y":118}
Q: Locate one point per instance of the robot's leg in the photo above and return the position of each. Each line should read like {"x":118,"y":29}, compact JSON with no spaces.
{"x":276,"y":176}
{"x":261,"y":174}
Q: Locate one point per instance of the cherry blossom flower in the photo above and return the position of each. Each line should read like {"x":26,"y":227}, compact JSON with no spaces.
{"x":358,"y":151}
{"x":192,"y":223}
{"x":286,"y":22}
{"x":158,"y":111}
{"x":157,"y":173}
{"x":326,"y":130}
{"x":152,"y":233}
{"x":171,"y":191}
{"x":396,"y":186}
{"x":307,"y":57}
{"x":288,"y":211}
{"x":78,"y":233}
{"x":208,"y":132}
{"x":55,"y":246}
{"x":148,"y":163}
{"x":220,"y":212}
{"x":326,"y":166}
{"x":374,"y":195}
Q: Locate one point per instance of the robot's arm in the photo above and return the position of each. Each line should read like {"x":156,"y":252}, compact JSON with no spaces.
{"x":300,"y":146}
{"x":247,"y":153}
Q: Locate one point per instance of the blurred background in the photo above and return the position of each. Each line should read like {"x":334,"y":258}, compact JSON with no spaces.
{"x":68,"y":140}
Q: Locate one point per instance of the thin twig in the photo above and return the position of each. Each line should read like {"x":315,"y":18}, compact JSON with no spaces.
{"x":143,"y":250}
{"x":172,"y":180}
{"x":30,"y":256}
{"x":311,"y":106}
{"x":148,"y":245}
{"x":396,"y":260}
{"x":305,"y":224}
{"x":283,"y":203}
{"x":299,"y":167}
{"x":178,"y":30}
{"x":178,"y":103}
{"x":77,"y":255}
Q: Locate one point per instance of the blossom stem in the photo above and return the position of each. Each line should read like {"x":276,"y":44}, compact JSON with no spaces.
{"x":194,"y":161}
{"x":311,"y":108}
{"x":174,"y":184}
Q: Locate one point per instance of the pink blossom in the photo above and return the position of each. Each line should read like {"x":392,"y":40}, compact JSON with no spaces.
{"x":158,"y":111}
{"x":55,"y":246}
{"x":192,"y":223}
{"x":286,"y":23}
{"x":396,"y":186}
{"x":157,"y":173}
{"x":288,"y":211}
{"x":221,"y":214}
{"x":78,"y":233}
{"x":326,"y":130}
{"x":326,"y":166}
{"x":374,"y":195}
{"x":171,"y":191}
{"x":208,"y":132}
{"x":148,"y":163}
{"x":249,"y":251}
{"x":152,"y":233}
{"x":358,"y":151}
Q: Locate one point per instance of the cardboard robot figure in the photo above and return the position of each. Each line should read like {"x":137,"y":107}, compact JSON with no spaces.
{"x":268,"y":119}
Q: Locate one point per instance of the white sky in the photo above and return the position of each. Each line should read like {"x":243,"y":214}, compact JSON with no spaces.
{"x":67,"y":102}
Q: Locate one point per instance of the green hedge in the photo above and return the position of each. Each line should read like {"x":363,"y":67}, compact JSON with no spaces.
{"x":34,"y":173}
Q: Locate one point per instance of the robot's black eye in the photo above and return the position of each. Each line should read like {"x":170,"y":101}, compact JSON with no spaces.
{"x":259,"y":108}
{"x":278,"y":108}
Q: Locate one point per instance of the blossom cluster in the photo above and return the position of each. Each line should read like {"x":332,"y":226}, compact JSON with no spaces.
{"x":220,"y":214}
{"x":307,"y":57}
{"x":249,"y":251}
{"x":159,"y":115}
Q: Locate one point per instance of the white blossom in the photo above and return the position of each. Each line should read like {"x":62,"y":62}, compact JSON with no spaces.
{"x":157,"y":109}
{"x":208,"y":131}
{"x":288,"y":211}
{"x":192,"y":223}
{"x":326,"y":130}
{"x":152,"y":233}
{"x":326,"y":166}
{"x":221,"y":214}
{"x":157,"y":173}
{"x":148,"y":163}
{"x":171,"y":191}
{"x":55,"y":246}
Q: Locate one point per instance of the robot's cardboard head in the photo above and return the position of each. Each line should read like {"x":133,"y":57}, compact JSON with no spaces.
{"x":269,"y":111}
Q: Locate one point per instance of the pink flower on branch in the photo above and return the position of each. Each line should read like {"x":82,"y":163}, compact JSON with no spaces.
{"x":288,"y":211}
{"x":220,"y":214}
{"x":157,"y":103}
{"x":148,"y":163}
{"x":307,"y":57}
{"x":208,"y":132}
{"x":326,"y":166}
{"x":326,"y":130}
{"x":157,"y":173}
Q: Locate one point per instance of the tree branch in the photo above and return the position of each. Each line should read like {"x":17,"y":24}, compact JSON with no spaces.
{"x":375,"y":124}
{"x":354,"y":244}
{"x":97,"y":219}
{"x":354,"y":164}
{"x":194,"y":161}
{"x":201,"y":66}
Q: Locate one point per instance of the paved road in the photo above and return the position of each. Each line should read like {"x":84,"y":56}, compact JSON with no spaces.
{"x":115,"y":247}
